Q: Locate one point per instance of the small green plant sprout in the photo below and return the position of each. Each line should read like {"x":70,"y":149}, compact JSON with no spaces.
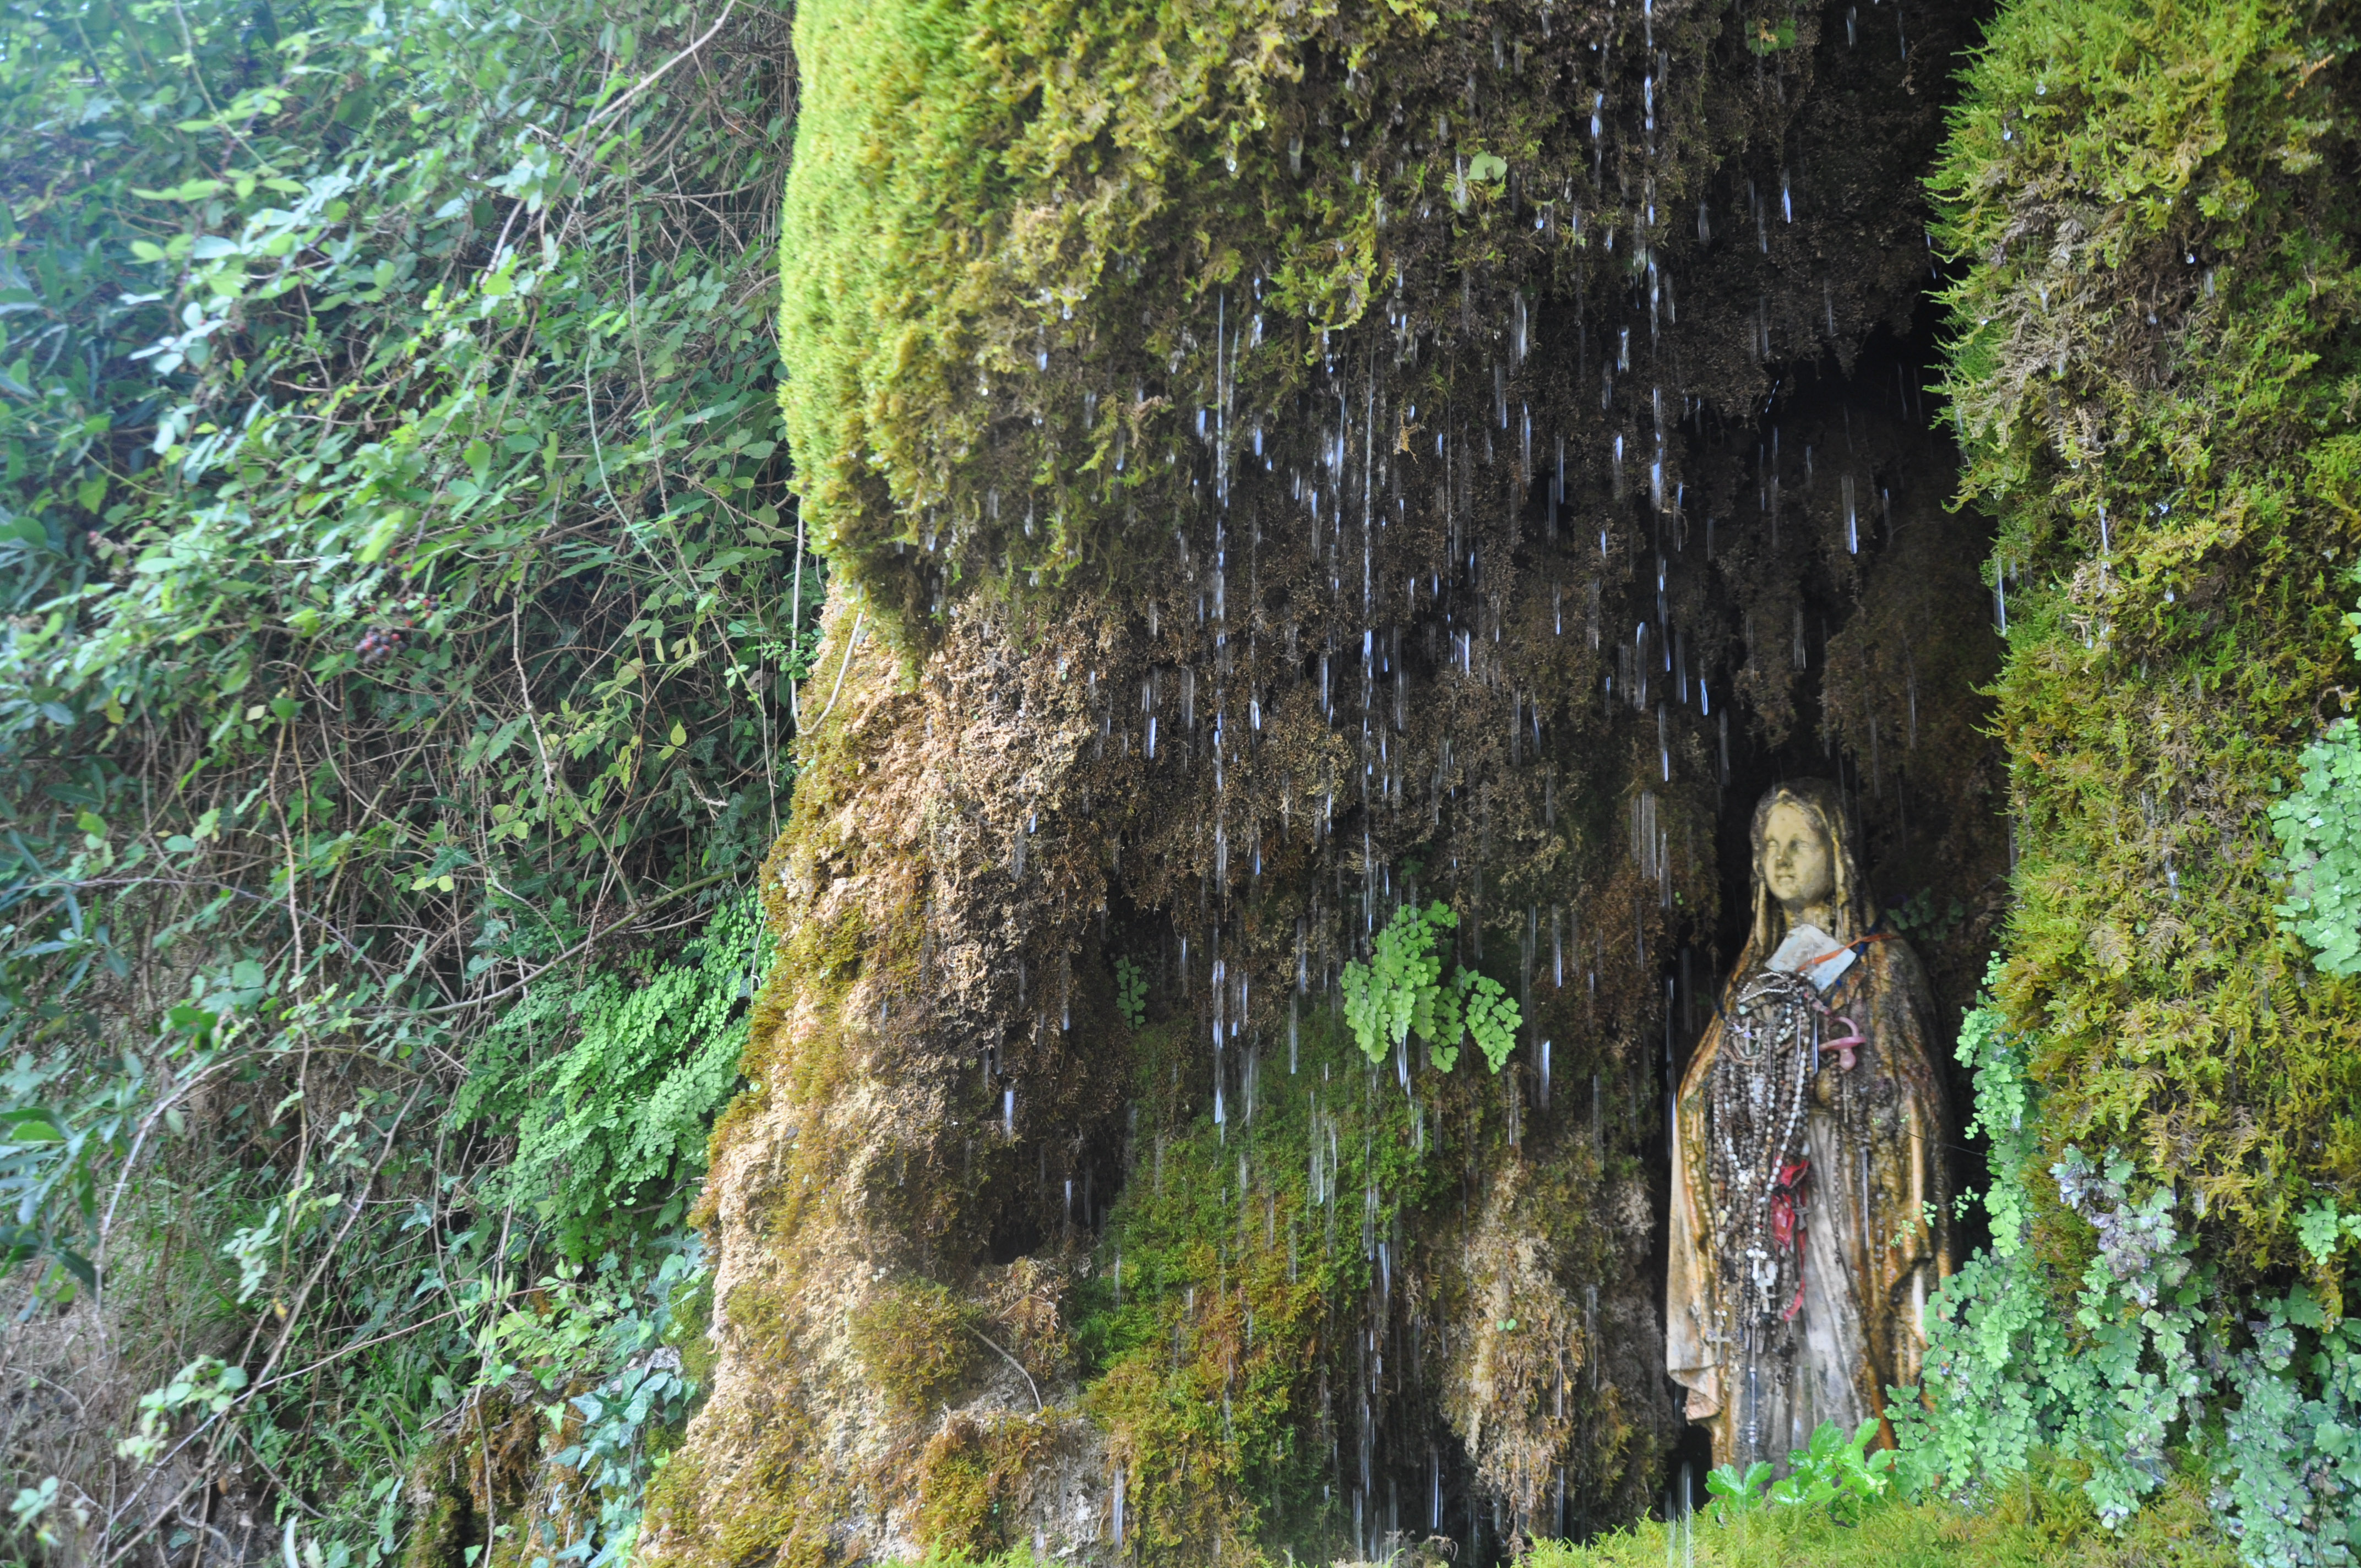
{"x":1400,"y":992}
{"x":1739,"y":1491}
{"x":208,"y":1386}
{"x":1130,"y":994}
{"x":1769,"y":37}
{"x":1492,"y":1016}
{"x":26,"y":1513}
{"x":1835,"y":1471}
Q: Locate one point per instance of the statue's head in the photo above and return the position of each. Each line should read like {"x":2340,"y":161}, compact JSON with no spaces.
{"x":1798,"y":856}
{"x":1803,"y":866}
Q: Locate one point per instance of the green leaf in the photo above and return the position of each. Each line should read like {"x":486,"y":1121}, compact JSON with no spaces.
{"x":191,"y":190}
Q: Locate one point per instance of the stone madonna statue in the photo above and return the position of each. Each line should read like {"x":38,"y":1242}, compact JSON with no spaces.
{"x":1809,"y":1206}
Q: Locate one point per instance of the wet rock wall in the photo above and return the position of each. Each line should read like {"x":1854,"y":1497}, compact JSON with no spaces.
{"x":1501,"y":567}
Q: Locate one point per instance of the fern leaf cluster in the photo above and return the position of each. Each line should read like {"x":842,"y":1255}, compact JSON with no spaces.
{"x":2319,"y":829}
{"x":1400,"y":992}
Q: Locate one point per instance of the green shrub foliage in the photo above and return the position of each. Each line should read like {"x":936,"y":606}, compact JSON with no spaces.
{"x":399,"y":610}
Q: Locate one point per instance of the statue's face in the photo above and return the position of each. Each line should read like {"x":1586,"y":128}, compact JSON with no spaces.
{"x":1798,"y":865}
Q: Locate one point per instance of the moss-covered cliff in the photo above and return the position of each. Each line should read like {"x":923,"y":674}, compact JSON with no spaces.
{"x":1285,"y":463}
{"x":2155,"y":363}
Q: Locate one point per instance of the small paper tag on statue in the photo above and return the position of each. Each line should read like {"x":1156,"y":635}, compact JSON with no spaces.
{"x":1814,"y":954}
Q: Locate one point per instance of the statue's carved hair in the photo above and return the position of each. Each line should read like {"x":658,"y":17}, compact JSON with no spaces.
{"x":1855,"y":911}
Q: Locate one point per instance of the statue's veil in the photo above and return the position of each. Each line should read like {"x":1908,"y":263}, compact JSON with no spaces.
{"x":1855,"y":910}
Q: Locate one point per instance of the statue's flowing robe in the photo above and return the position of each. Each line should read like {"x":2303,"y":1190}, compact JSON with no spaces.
{"x":1874,"y":1232}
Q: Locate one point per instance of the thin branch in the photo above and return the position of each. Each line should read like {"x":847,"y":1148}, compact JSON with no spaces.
{"x":850,"y":643}
{"x":1012,"y":1362}
{"x":650,"y":79}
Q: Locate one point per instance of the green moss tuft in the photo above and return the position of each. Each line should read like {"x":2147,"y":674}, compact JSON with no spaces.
{"x":974,"y":1478}
{"x":440,"y":1514}
{"x":918,"y":1342}
{"x":2041,"y":1522}
{"x":1227,"y":1279}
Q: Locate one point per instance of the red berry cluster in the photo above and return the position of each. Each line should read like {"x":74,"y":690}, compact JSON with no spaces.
{"x":382,"y":642}
{"x":375,"y":645}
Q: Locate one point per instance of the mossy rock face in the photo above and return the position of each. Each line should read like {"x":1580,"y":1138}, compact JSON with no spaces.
{"x":1057,"y":276}
{"x":914,"y":1341}
{"x":484,"y":1485}
{"x":440,"y":1515}
{"x":1557,"y":489}
{"x":2156,"y":369}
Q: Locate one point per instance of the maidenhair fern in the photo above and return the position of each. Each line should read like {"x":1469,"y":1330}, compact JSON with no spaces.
{"x":1396,"y":988}
{"x":1401,"y":991}
{"x":611,"y":1083}
{"x":2121,"y":1383}
{"x":1130,"y":992}
{"x":2319,"y":828}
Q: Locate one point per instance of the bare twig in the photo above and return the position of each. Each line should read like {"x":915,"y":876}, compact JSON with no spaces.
{"x":850,"y":643}
{"x":651,"y":79}
{"x":1012,"y":1362}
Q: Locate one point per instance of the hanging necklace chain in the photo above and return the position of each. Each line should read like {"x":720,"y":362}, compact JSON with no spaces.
{"x":1754,"y":1128}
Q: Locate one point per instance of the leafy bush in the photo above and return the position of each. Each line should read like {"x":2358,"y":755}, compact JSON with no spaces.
{"x":400,"y":613}
{"x":621,"y":1330}
{"x":1835,"y":1471}
{"x":1399,"y":991}
{"x":2119,"y":1383}
{"x":58,"y":1130}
